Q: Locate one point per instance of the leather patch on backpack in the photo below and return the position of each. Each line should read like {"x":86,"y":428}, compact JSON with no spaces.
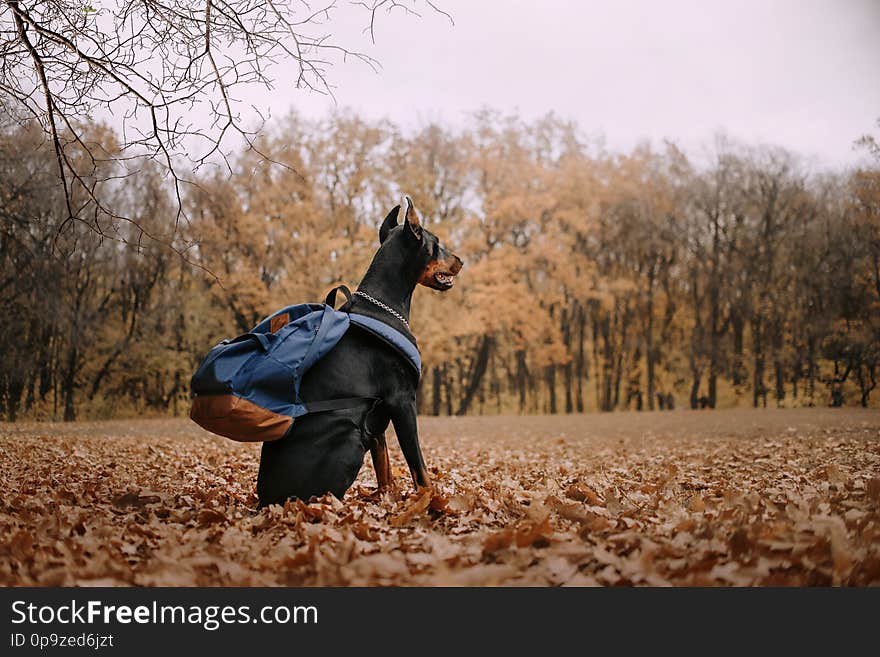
{"x":279,"y":322}
{"x":238,"y":419}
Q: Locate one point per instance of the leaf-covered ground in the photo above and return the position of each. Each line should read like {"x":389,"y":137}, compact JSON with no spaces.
{"x":684,"y":498}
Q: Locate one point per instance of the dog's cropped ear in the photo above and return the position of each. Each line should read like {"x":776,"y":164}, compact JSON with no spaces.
{"x":411,"y":217}
{"x":389,"y":223}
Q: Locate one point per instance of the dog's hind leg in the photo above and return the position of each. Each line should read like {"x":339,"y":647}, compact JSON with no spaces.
{"x":375,"y":424}
{"x":381,"y":462}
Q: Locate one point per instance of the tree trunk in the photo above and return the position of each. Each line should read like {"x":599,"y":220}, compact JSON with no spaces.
{"x":550,"y":377}
{"x":178,"y":383}
{"x":715,"y":327}
{"x":624,"y":321}
{"x":569,"y":397}
{"x":607,"y":365}
{"x":695,"y":387}
{"x":714,"y":346}
{"x":811,"y":369}
{"x":780,"y":382}
{"x":46,"y":360}
{"x":521,"y":378}
{"x":697,"y":377}
{"x":14,"y":388}
{"x":475,"y":375}
{"x":568,"y":368}
{"x":420,"y":396}
{"x":435,"y":391}
{"x":580,"y":372}
{"x":495,"y":381}
{"x":778,"y":366}
{"x":758,"y":382}
{"x":867,"y":377}
{"x":618,"y":376}
{"x":69,"y":383}
{"x":31,"y":396}
{"x":650,"y":354}
{"x":738,"y":325}
{"x":447,"y":384}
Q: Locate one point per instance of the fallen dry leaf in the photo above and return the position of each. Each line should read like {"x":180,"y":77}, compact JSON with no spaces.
{"x":583,"y":493}
{"x":210,"y":516}
{"x":498,"y":541}
{"x":414,"y":508}
{"x":873,"y":489}
{"x":686,"y":498}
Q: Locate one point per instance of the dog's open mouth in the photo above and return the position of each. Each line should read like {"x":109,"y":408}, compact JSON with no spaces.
{"x":444,"y":279}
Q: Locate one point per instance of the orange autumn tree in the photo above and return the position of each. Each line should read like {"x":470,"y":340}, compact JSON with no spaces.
{"x":592,"y":280}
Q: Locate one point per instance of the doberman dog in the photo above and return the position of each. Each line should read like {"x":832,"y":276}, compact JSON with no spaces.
{"x":325,"y":451}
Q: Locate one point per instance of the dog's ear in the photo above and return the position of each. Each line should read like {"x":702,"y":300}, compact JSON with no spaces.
{"x":389,"y":223}
{"x":411,"y":218}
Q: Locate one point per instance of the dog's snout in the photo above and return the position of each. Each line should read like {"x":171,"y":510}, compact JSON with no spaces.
{"x":457,"y":264}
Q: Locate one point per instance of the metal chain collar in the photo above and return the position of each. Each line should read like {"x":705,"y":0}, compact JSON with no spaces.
{"x":384,"y":307}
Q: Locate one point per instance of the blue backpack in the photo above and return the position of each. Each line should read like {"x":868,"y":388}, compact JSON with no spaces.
{"x":247,"y":388}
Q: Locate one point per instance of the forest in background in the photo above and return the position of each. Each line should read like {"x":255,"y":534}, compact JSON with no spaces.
{"x":593,"y":280}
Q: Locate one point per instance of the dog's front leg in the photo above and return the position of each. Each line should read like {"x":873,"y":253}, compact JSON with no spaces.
{"x":407,"y":430}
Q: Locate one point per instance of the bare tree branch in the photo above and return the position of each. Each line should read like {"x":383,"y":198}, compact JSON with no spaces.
{"x":166,"y":71}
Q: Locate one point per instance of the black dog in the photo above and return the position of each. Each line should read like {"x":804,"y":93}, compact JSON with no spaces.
{"x":325,"y":451}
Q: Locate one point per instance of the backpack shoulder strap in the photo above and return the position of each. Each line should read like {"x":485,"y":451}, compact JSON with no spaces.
{"x":328,"y":317}
{"x":392,"y":337}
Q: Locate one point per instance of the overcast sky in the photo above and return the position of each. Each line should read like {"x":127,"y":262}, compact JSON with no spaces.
{"x":804,"y":74}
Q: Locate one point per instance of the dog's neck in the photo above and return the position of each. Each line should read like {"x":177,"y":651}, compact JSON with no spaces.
{"x":389,"y":281}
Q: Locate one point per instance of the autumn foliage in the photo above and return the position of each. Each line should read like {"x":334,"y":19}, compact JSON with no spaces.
{"x":593,"y":280}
